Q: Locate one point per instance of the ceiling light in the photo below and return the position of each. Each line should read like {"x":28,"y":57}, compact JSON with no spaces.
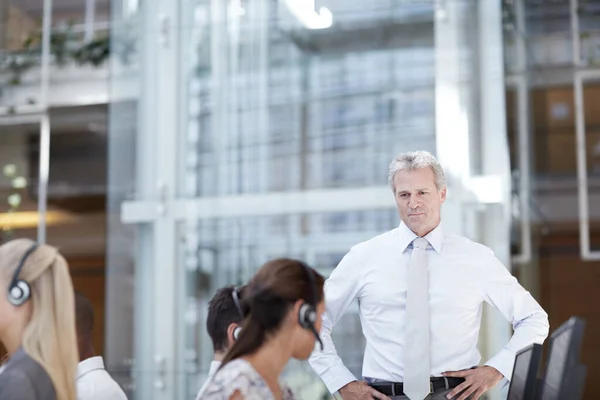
{"x":304,"y":11}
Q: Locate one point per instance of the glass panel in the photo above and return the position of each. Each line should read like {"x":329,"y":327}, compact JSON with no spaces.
{"x":20,"y":54}
{"x":19,"y":152}
{"x":218,"y":252}
{"x":77,"y":189}
{"x":127,"y":327}
{"x":559,"y":278}
{"x":78,"y":52}
{"x":18,"y":185}
{"x":274,"y":106}
{"x":591,"y":103}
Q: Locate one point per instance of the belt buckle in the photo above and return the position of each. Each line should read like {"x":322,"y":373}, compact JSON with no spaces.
{"x":431,"y":387}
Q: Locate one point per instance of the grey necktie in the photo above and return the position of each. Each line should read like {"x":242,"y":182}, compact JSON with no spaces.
{"x":417,"y":357}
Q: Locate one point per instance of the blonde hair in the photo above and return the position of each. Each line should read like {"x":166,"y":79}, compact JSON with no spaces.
{"x":49,"y":336}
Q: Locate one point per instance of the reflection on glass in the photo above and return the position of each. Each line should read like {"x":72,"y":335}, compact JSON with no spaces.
{"x":218,"y":252}
{"x":18,"y":203}
{"x":272,"y":106}
{"x":266,"y":112}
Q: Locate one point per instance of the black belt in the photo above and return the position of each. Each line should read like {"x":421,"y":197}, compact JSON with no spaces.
{"x":436,"y":384}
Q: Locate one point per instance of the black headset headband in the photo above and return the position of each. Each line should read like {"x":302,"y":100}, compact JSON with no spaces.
{"x":15,"y":278}
{"x":312,"y":290}
{"x":236,"y":300}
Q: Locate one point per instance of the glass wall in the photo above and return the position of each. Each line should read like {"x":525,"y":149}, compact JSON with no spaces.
{"x":274,"y":107}
{"x":261,"y":128}
{"x":53,"y":134}
{"x":552,"y":75}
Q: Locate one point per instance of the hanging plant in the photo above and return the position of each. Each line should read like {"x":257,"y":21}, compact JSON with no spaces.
{"x":65,"y":48}
{"x":95,"y":52}
{"x":17,"y":65}
{"x":59,"y":43}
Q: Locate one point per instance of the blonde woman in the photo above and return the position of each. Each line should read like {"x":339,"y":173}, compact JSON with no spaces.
{"x":37,"y":323}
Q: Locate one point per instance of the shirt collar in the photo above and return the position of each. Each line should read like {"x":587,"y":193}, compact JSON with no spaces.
{"x":214,"y":366}
{"x":435,"y":237}
{"x":89,"y":364}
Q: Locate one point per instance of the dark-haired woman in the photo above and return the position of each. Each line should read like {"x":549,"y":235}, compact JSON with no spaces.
{"x":281,"y":308}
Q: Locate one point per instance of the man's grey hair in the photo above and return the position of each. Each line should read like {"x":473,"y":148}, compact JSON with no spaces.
{"x":417,"y":160}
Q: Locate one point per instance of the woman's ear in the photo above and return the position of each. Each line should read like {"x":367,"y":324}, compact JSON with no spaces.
{"x":296,"y":313}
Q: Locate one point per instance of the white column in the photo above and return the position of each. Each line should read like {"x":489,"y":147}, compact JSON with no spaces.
{"x":496,"y":219}
{"x":44,"y":170}
{"x":167,"y":308}
{"x":156,"y":303}
{"x":471,"y":140}
{"x":451,"y":111}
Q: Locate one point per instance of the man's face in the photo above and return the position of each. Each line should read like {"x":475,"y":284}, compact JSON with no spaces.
{"x":418,"y":200}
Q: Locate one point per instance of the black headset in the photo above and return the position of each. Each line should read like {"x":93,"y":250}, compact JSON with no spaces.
{"x":19,"y":291}
{"x":307,"y":315}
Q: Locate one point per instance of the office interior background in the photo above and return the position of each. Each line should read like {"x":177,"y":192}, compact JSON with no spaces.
{"x":170,"y":147}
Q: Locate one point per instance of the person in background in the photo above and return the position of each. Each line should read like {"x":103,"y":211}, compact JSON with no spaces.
{"x":222,"y":324}
{"x":420,"y":293}
{"x":93,"y":382}
{"x":37,"y":323}
{"x":281,"y":309}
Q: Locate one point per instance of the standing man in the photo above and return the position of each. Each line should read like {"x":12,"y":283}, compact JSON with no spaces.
{"x":420,"y":293}
{"x":222,"y":324}
{"x":93,"y":382}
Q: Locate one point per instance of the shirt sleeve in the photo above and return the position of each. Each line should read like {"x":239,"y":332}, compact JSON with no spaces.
{"x":530,"y":322}
{"x":15,"y":385}
{"x":341,"y":289}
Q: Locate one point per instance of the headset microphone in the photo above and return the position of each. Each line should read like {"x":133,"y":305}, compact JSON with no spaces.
{"x":307,"y":317}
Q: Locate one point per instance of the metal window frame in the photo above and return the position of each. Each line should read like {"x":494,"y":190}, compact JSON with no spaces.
{"x":582,"y":178}
{"x":519,"y":82}
{"x":44,"y":167}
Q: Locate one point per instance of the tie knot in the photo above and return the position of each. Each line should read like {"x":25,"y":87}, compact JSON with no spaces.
{"x":420,"y":243}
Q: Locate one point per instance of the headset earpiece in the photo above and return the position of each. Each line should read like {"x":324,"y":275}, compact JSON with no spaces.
{"x":236,"y":332}
{"x":307,"y":315}
{"x":19,"y":291}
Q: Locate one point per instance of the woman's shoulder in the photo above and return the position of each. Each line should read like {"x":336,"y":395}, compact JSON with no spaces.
{"x":23,"y":378}
{"x":237,"y":375}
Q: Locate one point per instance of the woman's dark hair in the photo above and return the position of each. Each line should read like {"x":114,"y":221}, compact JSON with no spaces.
{"x":267,"y":299}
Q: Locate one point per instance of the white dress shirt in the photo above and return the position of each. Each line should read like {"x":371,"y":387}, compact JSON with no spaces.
{"x":462,"y":275}
{"x":94,"y":383}
{"x":212,"y":370}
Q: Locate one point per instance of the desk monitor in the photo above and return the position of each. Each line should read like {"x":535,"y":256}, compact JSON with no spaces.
{"x":527,"y":364}
{"x":577,"y":382}
{"x":564,"y":348}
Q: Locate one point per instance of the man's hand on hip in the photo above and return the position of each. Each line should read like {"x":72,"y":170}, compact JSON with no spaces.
{"x":360,"y":390}
{"x":477,"y":381}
